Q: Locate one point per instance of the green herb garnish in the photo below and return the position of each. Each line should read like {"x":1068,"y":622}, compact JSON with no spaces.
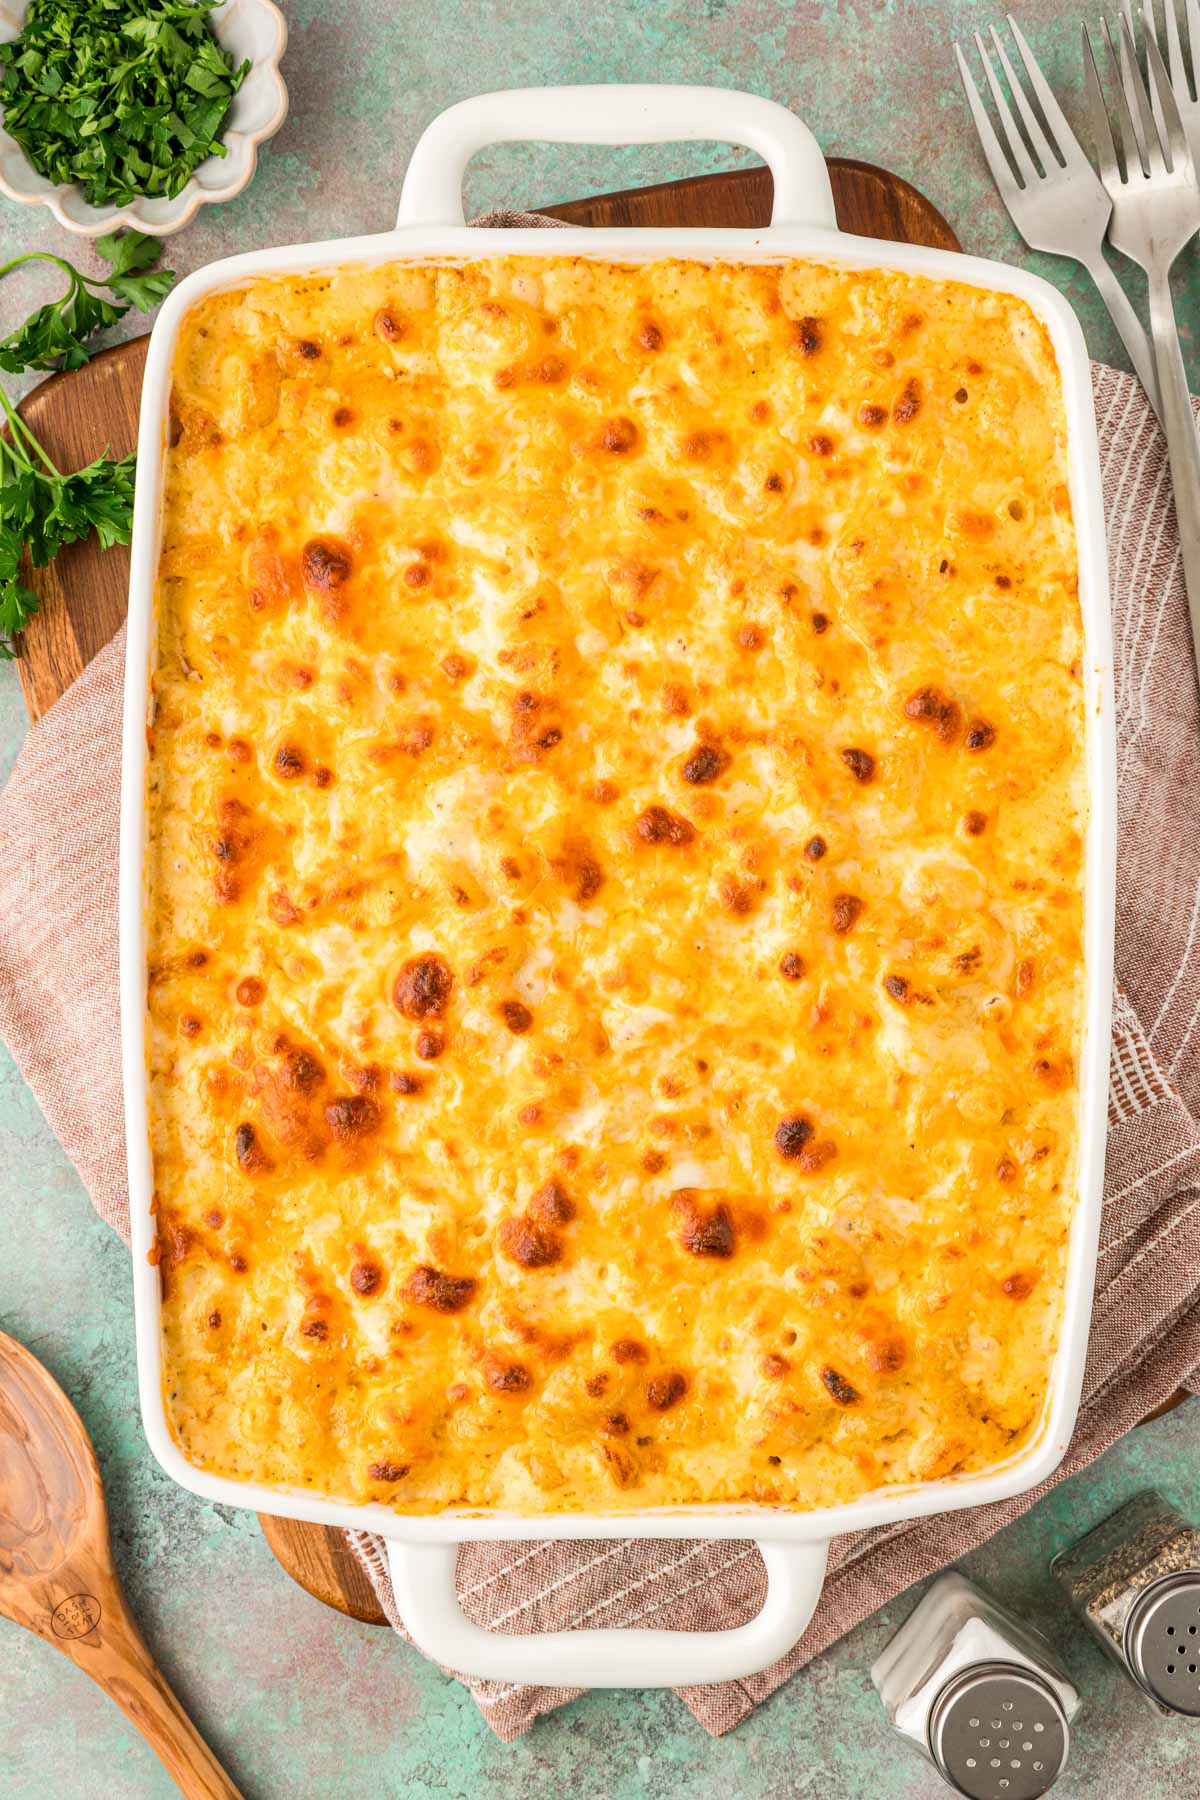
{"x":55,"y":336}
{"x":41,"y":510}
{"x":125,"y":97}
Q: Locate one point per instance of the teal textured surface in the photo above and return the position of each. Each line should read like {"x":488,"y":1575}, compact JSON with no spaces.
{"x":298,"y":1701}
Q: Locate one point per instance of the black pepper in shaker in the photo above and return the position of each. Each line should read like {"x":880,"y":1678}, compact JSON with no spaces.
{"x":1135,"y":1583}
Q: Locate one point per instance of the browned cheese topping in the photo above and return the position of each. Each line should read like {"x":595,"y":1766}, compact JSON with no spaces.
{"x":616,"y":848}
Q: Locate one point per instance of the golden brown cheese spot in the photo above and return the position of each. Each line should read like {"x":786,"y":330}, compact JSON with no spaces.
{"x":388,"y":1472}
{"x":846,"y":911}
{"x":619,"y":437}
{"x":791,"y":1135}
{"x":552,"y":1204}
{"x":872,"y":416}
{"x":536,"y":726}
{"x":505,"y":1377}
{"x":665,"y":1391}
{"x":628,"y":1350}
{"x":423,"y":987}
{"x":898,"y":988}
{"x":657,"y":825}
{"x":704,"y":1233}
{"x":252,"y":1159}
{"x":516,"y":1016}
{"x":929,"y":706}
{"x":791,"y":966}
{"x":528,"y":1243}
{"x":250,"y":991}
{"x":289,"y":762}
{"x":909,"y":403}
{"x":980,"y":735}
{"x":838,"y":1388}
{"x":975,"y":823}
{"x":806,"y":335}
{"x":366,"y":1278}
{"x":860,"y":763}
{"x":439,"y":1291}
{"x":429,"y":1045}
{"x":325,"y":564}
{"x":703,"y":765}
{"x":1020,"y":1284}
{"x":774,"y":1366}
{"x":886,"y":1355}
{"x":815,"y":849}
{"x":352,"y":1116}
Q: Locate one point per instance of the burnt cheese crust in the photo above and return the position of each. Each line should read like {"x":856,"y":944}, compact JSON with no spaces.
{"x":616,"y":818}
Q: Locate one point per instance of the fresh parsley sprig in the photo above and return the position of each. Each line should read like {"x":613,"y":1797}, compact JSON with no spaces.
{"x":125,"y":97}
{"x":55,"y":336}
{"x":42,"y":509}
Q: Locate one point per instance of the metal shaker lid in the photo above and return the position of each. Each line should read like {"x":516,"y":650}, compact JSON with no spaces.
{"x":997,"y":1731}
{"x":1162,"y":1641}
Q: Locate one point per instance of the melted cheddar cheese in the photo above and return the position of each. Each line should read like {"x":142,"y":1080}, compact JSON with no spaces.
{"x":616,"y":818}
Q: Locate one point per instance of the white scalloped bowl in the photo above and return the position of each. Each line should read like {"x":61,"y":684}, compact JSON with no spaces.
{"x":253,"y":30}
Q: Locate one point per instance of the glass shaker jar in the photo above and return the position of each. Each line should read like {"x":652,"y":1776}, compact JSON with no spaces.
{"x":978,"y":1693}
{"x":1135,"y":1583}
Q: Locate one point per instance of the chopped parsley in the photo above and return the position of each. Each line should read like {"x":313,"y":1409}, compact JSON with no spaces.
{"x":125,"y":97}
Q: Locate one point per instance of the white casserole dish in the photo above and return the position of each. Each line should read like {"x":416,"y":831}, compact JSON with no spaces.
{"x":794,"y":1545}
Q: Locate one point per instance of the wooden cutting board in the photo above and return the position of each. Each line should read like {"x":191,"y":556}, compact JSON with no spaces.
{"x":84,"y":590}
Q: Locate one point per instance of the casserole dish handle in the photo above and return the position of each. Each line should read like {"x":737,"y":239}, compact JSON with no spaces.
{"x":616,"y":114}
{"x":426,"y":1595}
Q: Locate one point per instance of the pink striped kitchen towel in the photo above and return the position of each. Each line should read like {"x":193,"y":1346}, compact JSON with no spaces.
{"x":58,"y":1015}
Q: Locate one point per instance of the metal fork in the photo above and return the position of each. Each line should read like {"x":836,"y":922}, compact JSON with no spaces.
{"x":1156,"y":210}
{"x":1062,"y":205}
{"x":1185,"y":87}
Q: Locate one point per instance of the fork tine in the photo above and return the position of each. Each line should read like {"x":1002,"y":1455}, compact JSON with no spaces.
{"x":1175,"y":142}
{"x":997,"y":161}
{"x":1192,"y":16}
{"x":1129,"y":75}
{"x":1174,"y":42}
{"x":1008,"y":125}
{"x":1155,"y":36}
{"x":1098,"y":119}
{"x":1033,"y":130}
{"x":1125,"y":125}
{"x":1139,"y":97}
{"x":1060,"y":131}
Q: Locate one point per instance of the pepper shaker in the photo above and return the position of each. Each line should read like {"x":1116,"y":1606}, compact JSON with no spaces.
{"x":1135,"y":1583}
{"x":978,"y":1693}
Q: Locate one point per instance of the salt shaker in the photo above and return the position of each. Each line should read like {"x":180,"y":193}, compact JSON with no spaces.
{"x":978,"y":1693}
{"x":1135,"y":1583}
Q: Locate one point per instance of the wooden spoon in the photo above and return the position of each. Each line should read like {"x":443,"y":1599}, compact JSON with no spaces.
{"x":57,"y":1575}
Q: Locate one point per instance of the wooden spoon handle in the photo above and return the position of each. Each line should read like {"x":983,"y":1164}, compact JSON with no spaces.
{"x":113,"y":1652}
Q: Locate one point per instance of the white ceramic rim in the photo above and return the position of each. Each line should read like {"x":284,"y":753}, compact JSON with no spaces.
{"x":793,"y":1543}
{"x":158,"y":217}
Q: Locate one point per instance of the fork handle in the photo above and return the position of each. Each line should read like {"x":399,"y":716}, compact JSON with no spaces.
{"x":1129,"y":327}
{"x":1183,"y":442}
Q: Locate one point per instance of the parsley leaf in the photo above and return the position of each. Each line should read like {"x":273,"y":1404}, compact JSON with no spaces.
{"x":41,"y":510}
{"x":125,"y":97}
{"x":55,"y":336}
